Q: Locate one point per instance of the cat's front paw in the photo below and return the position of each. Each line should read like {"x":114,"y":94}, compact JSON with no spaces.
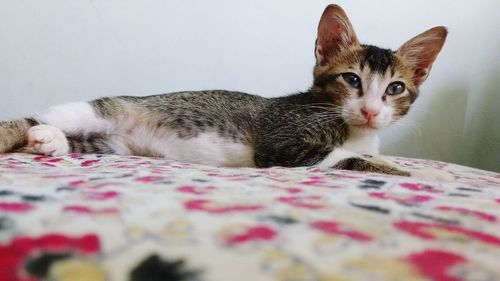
{"x":432,"y":175}
{"x":48,"y":140}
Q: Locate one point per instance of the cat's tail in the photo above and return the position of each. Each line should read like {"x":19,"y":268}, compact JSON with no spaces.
{"x":14,"y":134}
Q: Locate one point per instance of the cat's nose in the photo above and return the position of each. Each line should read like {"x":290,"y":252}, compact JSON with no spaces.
{"x":369,"y":113}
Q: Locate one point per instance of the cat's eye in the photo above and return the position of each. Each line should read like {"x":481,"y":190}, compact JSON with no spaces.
{"x":352,"y":79}
{"x":395,"y":88}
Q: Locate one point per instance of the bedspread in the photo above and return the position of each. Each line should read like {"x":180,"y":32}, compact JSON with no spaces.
{"x":106,"y":217}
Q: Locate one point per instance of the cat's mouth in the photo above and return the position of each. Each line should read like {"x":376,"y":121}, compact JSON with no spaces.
{"x":365,"y":125}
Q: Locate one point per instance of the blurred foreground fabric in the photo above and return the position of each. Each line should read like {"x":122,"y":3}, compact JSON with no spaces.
{"x":108,"y":217}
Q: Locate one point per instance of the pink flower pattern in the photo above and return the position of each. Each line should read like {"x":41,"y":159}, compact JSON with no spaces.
{"x":309,"y":223}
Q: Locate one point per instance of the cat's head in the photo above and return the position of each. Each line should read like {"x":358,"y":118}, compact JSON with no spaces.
{"x":371,"y":87}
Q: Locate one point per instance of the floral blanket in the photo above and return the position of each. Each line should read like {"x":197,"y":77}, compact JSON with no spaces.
{"x":95,"y":217}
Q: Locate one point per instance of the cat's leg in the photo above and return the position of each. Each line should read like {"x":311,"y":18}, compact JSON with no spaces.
{"x":28,"y":135}
{"x":14,"y":134}
{"x":368,"y":165}
{"x":347,"y":160}
{"x":72,"y":127}
{"x":421,"y":173}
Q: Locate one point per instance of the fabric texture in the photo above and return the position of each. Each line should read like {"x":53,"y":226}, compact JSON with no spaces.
{"x":106,"y":217}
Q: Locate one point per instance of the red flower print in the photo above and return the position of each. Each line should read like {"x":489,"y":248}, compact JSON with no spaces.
{"x":463,"y":211}
{"x":148,"y":179}
{"x":313,"y":181}
{"x":253,"y":233}
{"x":77,"y":183}
{"x":421,"y":230}
{"x":14,"y":254}
{"x":195,"y":189}
{"x":402,"y":198}
{"x":88,"y":163}
{"x":318,"y":182}
{"x":87,"y":210}
{"x":308,"y":202}
{"x":105,"y":195}
{"x":88,"y":244}
{"x":420,"y":187}
{"x":40,"y":158}
{"x":86,"y":184}
{"x":435,"y":264}
{"x":15,"y":207}
{"x":218,"y":208}
{"x":332,"y":227}
{"x":47,"y":159}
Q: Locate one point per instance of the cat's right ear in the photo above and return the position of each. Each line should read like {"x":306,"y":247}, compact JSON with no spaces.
{"x":335,"y":33}
{"x":421,"y":51}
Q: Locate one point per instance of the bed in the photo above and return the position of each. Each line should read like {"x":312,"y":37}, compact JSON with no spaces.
{"x":107,"y":217}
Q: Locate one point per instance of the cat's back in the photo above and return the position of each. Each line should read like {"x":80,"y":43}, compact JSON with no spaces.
{"x":231,"y":114}
{"x":211,"y":101}
{"x":211,"y":108}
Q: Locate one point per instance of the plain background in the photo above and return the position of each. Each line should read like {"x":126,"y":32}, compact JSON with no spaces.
{"x":56,"y":51}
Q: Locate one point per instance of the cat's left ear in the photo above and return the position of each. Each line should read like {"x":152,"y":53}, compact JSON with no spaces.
{"x":335,"y":33}
{"x":421,"y":51}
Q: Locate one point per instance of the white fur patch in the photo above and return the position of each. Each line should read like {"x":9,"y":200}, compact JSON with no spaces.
{"x":207,"y":148}
{"x":362,"y":141}
{"x":77,"y":117}
{"x":372,"y":97}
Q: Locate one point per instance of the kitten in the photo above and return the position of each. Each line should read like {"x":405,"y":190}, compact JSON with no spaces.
{"x":357,"y":90}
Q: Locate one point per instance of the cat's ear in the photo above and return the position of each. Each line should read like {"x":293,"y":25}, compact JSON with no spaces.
{"x":421,"y":51}
{"x":335,"y":33}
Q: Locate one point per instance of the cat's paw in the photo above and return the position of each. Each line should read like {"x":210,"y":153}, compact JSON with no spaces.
{"x":432,"y":175}
{"x":48,"y":140}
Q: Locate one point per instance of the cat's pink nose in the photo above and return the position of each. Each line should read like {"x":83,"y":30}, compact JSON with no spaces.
{"x":369,"y":113}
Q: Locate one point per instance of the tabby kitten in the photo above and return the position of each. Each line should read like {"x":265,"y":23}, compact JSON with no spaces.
{"x":357,"y":90}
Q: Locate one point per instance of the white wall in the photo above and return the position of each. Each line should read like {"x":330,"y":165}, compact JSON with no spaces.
{"x":55,"y":51}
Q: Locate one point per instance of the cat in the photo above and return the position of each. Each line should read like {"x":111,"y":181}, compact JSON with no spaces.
{"x":357,"y":91}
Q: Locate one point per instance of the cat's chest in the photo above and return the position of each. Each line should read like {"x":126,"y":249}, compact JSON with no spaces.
{"x":362,"y":143}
